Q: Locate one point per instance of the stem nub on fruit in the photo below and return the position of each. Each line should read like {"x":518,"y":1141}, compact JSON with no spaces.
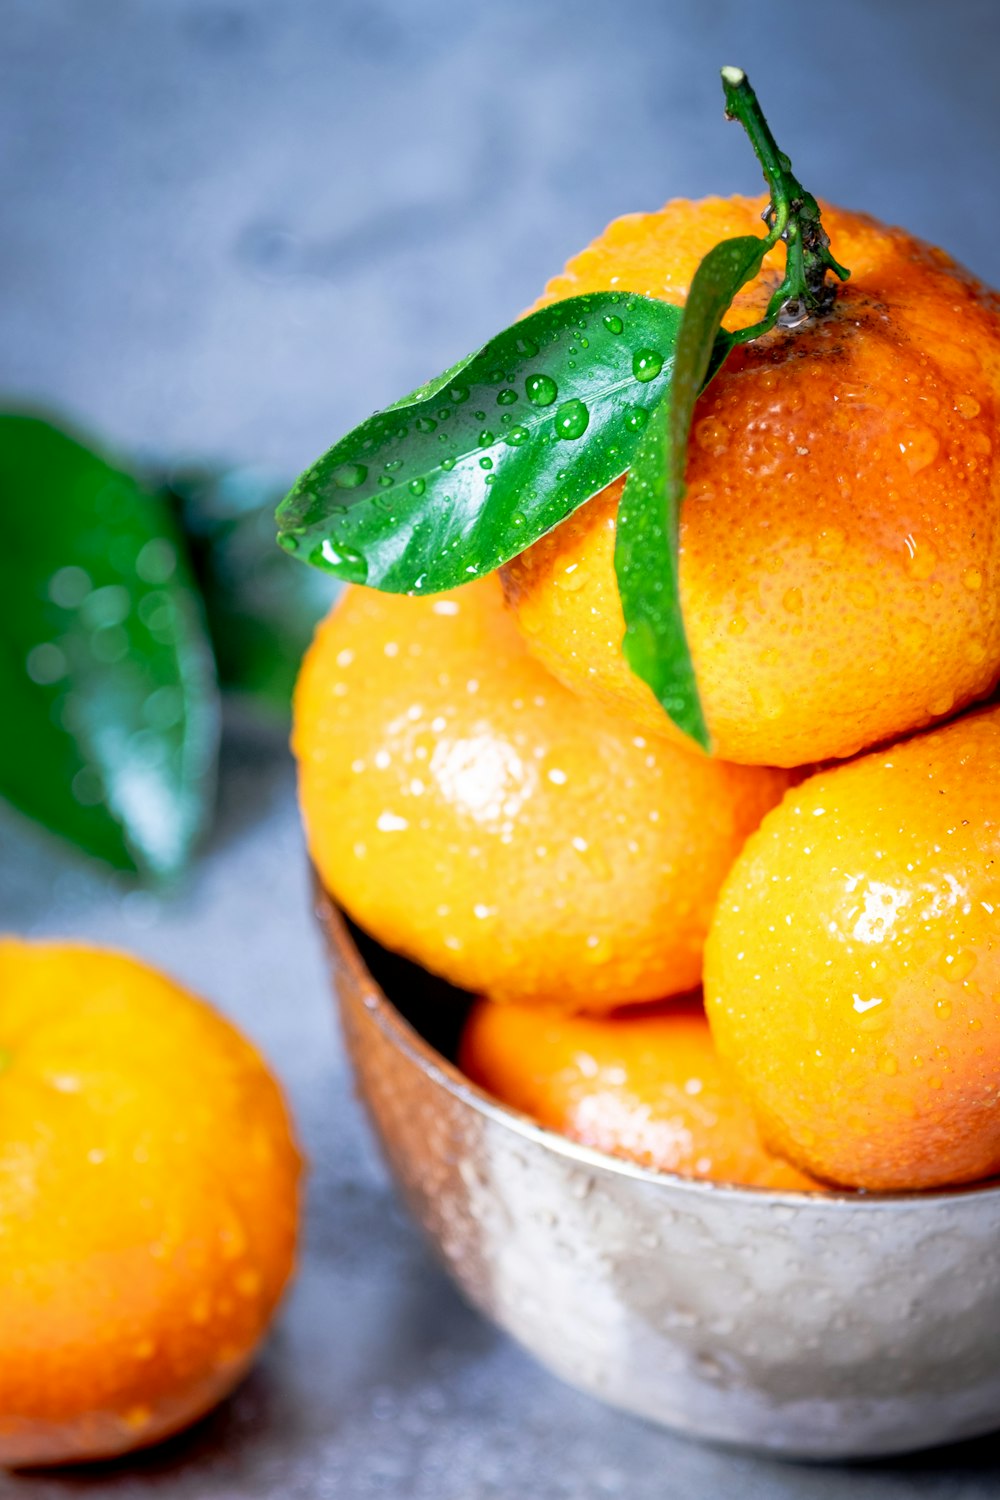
{"x":793,"y":215}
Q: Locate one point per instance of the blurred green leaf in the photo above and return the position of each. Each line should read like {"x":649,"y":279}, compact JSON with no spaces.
{"x":260,"y":607}
{"x":108,"y":695}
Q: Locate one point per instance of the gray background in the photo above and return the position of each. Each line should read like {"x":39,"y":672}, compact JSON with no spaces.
{"x":231,"y":228}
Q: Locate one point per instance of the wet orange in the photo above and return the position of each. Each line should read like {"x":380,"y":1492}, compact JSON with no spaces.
{"x":852,"y":974}
{"x":148,"y":1204}
{"x":648,"y":1086}
{"x":473,"y":814}
{"x":840,"y":568}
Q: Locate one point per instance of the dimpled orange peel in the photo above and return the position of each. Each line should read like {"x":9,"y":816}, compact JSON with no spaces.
{"x":648,"y":1086}
{"x":475,"y":815}
{"x":840,"y":536}
{"x":148,"y":1204}
{"x":852,"y":974}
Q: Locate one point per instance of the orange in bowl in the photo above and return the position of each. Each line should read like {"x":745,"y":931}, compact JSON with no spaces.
{"x":475,"y":815}
{"x":646,"y":1085}
{"x":840,"y":538}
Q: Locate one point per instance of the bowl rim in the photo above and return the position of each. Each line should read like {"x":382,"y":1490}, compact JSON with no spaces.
{"x":405,"y":1038}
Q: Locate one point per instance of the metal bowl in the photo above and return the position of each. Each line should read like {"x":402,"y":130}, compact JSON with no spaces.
{"x":811,"y":1325}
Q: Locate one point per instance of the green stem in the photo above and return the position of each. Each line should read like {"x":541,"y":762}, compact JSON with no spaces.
{"x":792,"y":215}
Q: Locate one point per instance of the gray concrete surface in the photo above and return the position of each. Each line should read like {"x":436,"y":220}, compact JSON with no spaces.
{"x":232,"y":227}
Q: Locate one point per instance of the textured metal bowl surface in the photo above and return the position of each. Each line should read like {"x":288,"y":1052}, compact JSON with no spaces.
{"x":813,"y":1325}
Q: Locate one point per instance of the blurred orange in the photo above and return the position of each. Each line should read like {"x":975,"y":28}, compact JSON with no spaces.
{"x":148,"y":1204}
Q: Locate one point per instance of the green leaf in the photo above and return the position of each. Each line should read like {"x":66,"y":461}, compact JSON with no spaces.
{"x":260,"y":608}
{"x":477,"y":464}
{"x":107,"y":686}
{"x":648,"y":536}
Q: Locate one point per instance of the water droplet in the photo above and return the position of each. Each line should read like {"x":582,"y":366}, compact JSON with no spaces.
{"x":943,"y":1008}
{"x":486,"y":463}
{"x":646,"y":364}
{"x":495,"y":377}
{"x":517,"y":435}
{"x":417,"y":486}
{"x":458,"y":394}
{"x":518,"y":519}
{"x":349,"y":476}
{"x":334,"y":557}
{"x":967,"y":406}
{"x":572,"y":420}
{"x":526,"y":347}
{"x":972,"y":579}
{"x":480,"y":416}
{"x":636,"y":418}
{"x":394,"y":465}
{"x":506,"y":397}
{"x":613,"y":323}
{"x":385,"y":480}
{"x":542,"y":389}
{"x":425,"y":424}
{"x":290,"y":543}
{"x":486,"y":437}
{"x":68,"y":587}
{"x":46,"y":664}
{"x":448,"y":463}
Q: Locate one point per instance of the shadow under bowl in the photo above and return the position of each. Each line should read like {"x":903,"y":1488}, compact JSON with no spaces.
{"x":818,"y":1325}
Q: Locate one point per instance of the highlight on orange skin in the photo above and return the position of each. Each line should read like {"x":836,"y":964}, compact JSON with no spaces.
{"x":646,"y":1085}
{"x":852,"y":974}
{"x":148,"y":1204}
{"x":470,"y":812}
{"x":840,"y":537}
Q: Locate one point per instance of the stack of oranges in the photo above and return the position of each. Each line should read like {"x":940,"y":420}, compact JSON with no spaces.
{"x":488,"y":790}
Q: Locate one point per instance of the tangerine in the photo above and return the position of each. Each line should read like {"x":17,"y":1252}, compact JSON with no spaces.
{"x":852,"y":973}
{"x":475,"y":815}
{"x":840,"y":536}
{"x":646,"y":1085}
{"x":148,"y":1204}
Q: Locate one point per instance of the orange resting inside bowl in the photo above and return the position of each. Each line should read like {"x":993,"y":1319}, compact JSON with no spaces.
{"x":840,"y":538}
{"x":472,"y":813}
{"x":646,"y":1085}
{"x":148,"y":1204}
{"x":852,"y":974}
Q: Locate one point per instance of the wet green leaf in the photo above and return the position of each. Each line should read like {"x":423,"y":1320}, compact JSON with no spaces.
{"x":107,"y":686}
{"x":648,"y":535}
{"x":476,"y":465}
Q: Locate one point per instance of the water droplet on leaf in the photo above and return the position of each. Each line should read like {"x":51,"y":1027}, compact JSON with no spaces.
{"x":417,"y":486}
{"x":646,"y":364}
{"x":334,"y":557}
{"x":349,"y":476}
{"x":518,"y":435}
{"x":425,"y":424}
{"x":542,"y":389}
{"x":613,"y":323}
{"x":506,"y":397}
{"x":458,"y":393}
{"x":636,"y":418}
{"x":572,"y":420}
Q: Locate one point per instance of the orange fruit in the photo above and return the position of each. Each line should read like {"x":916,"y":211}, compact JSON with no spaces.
{"x":148,"y":1204}
{"x":852,"y":974}
{"x":647,"y":1085}
{"x":473,"y":814}
{"x":840,"y":562}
